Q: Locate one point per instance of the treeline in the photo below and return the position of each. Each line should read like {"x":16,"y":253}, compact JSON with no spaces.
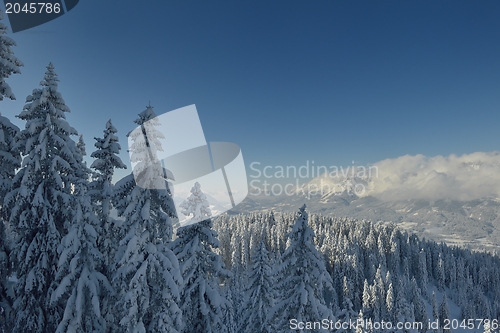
{"x":377,"y":271}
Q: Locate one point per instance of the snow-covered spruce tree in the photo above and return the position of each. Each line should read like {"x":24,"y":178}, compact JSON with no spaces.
{"x":9,"y":64}
{"x":419,"y":304}
{"x":389,"y":302}
{"x":360,"y":323}
{"x":5,"y":302}
{"x":202,"y":303}
{"x":80,"y":284}
{"x":367,"y":299}
{"x":260,"y":293}
{"x":435,"y":313}
{"x":41,"y":203}
{"x":444,"y":313}
{"x":347,"y":313}
{"x":440,"y":273}
{"x":145,"y":143}
{"x":203,"y":306}
{"x":196,"y":205}
{"x":9,"y":162}
{"x":101,"y":191}
{"x":80,"y":148}
{"x":147,"y":277}
{"x":236,"y":284}
{"x":303,"y":279}
{"x":101,"y":187}
{"x":9,"y":159}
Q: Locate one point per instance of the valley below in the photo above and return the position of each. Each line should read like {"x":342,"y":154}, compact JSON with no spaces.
{"x":470,"y":224}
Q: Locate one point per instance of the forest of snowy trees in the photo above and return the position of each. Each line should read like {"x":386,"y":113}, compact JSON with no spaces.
{"x":350,"y":269}
{"x":68,"y":265}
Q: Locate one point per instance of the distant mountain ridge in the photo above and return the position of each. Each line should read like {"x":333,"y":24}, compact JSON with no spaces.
{"x":474,"y":224}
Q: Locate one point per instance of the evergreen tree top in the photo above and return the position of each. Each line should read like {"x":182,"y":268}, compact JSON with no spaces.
{"x":107,"y":149}
{"x":196,"y":205}
{"x":50,"y":79}
{"x":144,"y":142}
{"x":107,"y":141}
{"x":46,"y":135}
{"x":146,"y":115}
{"x":80,"y":145}
{"x":9,"y":64}
{"x":301,"y":232}
{"x":47,"y":101}
{"x":110,"y":128}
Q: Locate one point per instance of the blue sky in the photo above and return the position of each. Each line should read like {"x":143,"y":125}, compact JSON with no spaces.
{"x":289,"y":81}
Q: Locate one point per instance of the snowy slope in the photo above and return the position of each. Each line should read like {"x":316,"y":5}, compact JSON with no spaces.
{"x":474,"y":224}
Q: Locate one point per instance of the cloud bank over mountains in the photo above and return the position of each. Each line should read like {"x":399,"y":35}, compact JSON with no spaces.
{"x":465,"y":177}
{"x":455,"y":199}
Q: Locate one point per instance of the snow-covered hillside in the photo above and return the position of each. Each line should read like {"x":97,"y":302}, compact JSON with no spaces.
{"x":473,"y":223}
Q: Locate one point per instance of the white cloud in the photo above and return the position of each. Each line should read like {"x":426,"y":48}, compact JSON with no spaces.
{"x":465,"y":177}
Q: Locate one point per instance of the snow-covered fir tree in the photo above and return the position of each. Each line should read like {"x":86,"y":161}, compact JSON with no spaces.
{"x":444,"y":313}
{"x":101,"y":188}
{"x":360,"y":326}
{"x":101,"y":191}
{"x":145,"y":143}
{"x":9,"y":162}
{"x":440,"y":273}
{"x":9,"y":64}
{"x":80,"y":283}
{"x":260,"y":293}
{"x":435,"y":313}
{"x":40,"y":203}
{"x":147,"y":277}
{"x":5,"y":300}
{"x":202,"y":269}
{"x":80,"y":146}
{"x":346,"y":311}
{"x":367,"y":298}
{"x":303,"y":279}
{"x":419,"y":305}
{"x":236,"y":284}
{"x":196,"y":205}
{"x":82,"y":152}
{"x":389,"y":300}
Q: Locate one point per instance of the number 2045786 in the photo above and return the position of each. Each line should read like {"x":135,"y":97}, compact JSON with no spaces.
{"x":33,"y":8}
{"x":471,"y":324}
